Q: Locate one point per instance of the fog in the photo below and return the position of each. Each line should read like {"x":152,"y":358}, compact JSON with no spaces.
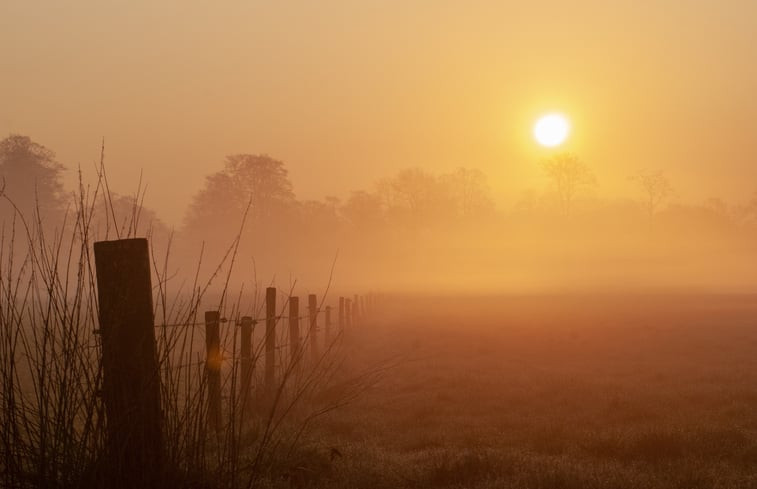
{"x":481,"y":244}
{"x":351,"y":93}
{"x":411,"y":231}
{"x":371,"y":110}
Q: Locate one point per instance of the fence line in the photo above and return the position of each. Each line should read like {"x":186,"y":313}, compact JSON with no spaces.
{"x":280,"y":352}
{"x":236,"y":322}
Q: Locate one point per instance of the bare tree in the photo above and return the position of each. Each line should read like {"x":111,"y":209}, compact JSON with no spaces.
{"x":656,"y":187}
{"x":569,"y":176}
{"x":416,"y":196}
{"x":470,"y":191}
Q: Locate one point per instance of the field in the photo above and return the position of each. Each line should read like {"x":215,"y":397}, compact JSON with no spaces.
{"x":600,"y":391}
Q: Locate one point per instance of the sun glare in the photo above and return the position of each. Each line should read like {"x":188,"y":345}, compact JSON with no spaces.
{"x":551,"y":130}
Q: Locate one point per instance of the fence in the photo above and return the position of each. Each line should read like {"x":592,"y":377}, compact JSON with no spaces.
{"x":131,"y":370}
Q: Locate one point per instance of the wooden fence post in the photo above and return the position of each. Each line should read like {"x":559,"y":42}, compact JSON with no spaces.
{"x":356,"y":311}
{"x":327,"y":321}
{"x":348,"y":312}
{"x":131,"y":380}
{"x":246,"y":362}
{"x":270,"y":338}
{"x":294,"y":329}
{"x":313,"y":331}
{"x":341,"y":314}
{"x":213,"y":367}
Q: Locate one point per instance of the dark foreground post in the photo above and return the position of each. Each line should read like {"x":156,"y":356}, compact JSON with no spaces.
{"x":348,"y":312}
{"x":341,"y":315}
{"x":246,"y":365}
{"x":131,"y":382}
{"x":270,"y":338}
{"x":213,"y":367}
{"x":294,"y":329}
{"x":312,"y":332}
{"x":327,"y":321}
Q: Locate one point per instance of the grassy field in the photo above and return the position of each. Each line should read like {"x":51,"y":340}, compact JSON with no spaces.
{"x":603,"y":391}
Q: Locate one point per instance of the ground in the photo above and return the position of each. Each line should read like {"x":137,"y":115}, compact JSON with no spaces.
{"x":590,"y":391}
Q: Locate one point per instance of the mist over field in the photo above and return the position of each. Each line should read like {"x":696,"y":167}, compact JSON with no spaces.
{"x":416,"y":231}
{"x":378,"y":245}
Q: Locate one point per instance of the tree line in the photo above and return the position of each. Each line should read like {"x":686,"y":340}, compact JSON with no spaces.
{"x":258,"y":187}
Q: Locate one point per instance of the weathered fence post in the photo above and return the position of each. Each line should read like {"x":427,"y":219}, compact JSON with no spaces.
{"x":341,"y":315}
{"x":356,"y":311}
{"x":294,"y":329}
{"x":270,"y":338}
{"x":313,"y":331}
{"x":246,"y":362}
{"x":348,"y":312}
{"x":213,"y":362}
{"x":327,"y":321}
{"x":131,"y":380}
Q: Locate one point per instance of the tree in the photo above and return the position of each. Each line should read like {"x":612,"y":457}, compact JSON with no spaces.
{"x":748,"y":211}
{"x":416,"y":196}
{"x":411,"y":188}
{"x":363,"y":209}
{"x":333,"y":204}
{"x":318,"y":215}
{"x":656,"y":187}
{"x":132,"y":219}
{"x":470,"y":191}
{"x":258,"y":180}
{"x":569,"y":176}
{"x":30,"y":176}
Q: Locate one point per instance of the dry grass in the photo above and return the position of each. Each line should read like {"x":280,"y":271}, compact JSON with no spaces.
{"x":556,"y":392}
{"x":52,"y":417}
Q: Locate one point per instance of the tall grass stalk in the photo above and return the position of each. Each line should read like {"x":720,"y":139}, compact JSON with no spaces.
{"x":52,"y":421}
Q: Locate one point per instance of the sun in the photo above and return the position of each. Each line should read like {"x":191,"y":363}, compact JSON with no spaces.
{"x":551,"y":130}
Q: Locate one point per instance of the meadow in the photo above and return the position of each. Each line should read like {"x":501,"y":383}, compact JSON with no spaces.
{"x":598,"y":389}
{"x":563,"y":391}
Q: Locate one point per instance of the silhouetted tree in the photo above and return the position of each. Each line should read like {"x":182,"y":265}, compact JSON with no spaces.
{"x":333,"y":203}
{"x":656,"y":187}
{"x":417,"y":197}
{"x":569,"y":175}
{"x":363,"y":209}
{"x":31,"y":176}
{"x":470,"y":191}
{"x":258,"y":180}
{"x":132,"y":218}
{"x":747,"y":212}
{"x":317,"y":215}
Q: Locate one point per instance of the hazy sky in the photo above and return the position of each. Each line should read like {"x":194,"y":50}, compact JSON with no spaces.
{"x":345,"y":92}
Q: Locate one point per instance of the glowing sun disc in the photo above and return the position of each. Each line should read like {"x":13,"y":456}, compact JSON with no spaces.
{"x":551,"y":130}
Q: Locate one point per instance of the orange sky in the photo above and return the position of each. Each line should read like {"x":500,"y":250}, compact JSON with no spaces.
{"x":346,"y":92}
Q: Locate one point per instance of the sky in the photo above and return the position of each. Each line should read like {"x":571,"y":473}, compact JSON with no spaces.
{"x":347,"y":92}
